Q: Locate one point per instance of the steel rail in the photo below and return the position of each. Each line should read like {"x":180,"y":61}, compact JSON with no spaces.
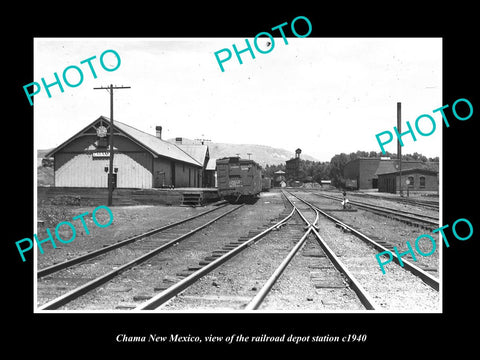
{"x":427,"y":278}
{"x":178,"y":287}
{"x":430,"y":220}
{"x":426,"y":203}
{"x":365,"y":299}
{"x":81,"y":290}
{"x":257,"y":300}
{"x":255,"y":303}
{"x":63,"y":265}
{"x":317,"y":215}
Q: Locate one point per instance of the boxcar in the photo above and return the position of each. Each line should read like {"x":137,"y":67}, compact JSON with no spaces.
{"x":238,"y":178}
{"x":266,"y":183}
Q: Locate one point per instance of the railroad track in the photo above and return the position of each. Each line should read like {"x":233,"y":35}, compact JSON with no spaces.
{"x":431,"y":204}
{"x":216,"y":259}
{"x":93,"y":254}
{"x":422,"y":220}
{"x":293,"y":224}
{"x":104,"y":264}
{"x":415,"y":270}
{"x":336,"y":278}
{"x":250,"y":267}
{"x":340,"y":277}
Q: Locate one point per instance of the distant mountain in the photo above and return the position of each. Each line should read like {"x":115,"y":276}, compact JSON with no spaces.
{"x":262,"y":154}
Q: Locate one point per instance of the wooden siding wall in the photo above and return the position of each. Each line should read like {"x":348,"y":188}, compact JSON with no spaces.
{"x":185,"y":175}
{"x":81,"y":170}
{"x":162,"y":172}
{"x":76,"y":167}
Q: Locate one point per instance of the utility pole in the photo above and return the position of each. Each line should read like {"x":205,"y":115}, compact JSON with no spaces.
{"x":110,"y":168}
{"x":399,"y":147}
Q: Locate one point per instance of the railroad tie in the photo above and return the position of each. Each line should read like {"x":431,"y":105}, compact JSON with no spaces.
{"x":230,"y":246}
{"x":184,"y":274}
{"x":125,"y":306}
{"x":327,"y":279}
{"x":220,"y":251}
{"x":142,"y":297}
{"x":313,"y":253}
{"x":161,"y":286}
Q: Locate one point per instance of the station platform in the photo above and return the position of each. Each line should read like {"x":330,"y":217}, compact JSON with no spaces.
{"x":123,"y":197}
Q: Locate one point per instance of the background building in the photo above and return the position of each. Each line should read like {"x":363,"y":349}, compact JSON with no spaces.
{"x":200,"y":152}
{"x":292,"y":168}
{"x":417,"y":179}
{"x":279,"y":179}
{"x":210,"y":179}
{"x":368,"y":173}
{"x":362,"y":172}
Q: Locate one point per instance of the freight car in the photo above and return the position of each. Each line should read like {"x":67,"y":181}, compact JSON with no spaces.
{"x":238,"y":178}
{"x":266,"y":183}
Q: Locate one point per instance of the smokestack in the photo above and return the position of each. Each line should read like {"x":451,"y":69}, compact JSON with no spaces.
{"x":159,"y":131}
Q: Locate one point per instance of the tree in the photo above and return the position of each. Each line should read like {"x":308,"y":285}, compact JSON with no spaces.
{"x":337,"y":163}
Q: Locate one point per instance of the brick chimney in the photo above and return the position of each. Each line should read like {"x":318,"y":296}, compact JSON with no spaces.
{"x":159,"y":131}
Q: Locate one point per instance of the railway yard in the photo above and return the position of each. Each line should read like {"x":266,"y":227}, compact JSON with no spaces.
{"x":282,"y":253}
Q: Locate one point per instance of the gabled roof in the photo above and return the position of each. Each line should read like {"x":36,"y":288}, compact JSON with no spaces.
{"x":154,"y":145}
{"x":408,"y":166}
{"x":386,"y":166}
{"x":212,"y":164}
{"x":391,"y":166}
{"x":420,"y":170}
{"x":197,"y":151}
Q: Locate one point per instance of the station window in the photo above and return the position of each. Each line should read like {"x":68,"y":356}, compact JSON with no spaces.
{"x":411,"y":181}
{"x":422,"y":181}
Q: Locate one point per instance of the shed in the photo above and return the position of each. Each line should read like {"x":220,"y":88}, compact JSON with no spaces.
{"x":211,"y":173}
{"x":201,"y":154}
{"x":364,"y":171}
{"x":416,"y":179}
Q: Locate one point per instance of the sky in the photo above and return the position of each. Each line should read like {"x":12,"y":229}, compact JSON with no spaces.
{"x":323,"y":95}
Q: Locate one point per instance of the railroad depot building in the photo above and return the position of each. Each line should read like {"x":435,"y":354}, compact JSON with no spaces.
{"x":200,"y":152}
{"x":381,"y":174}
{"x":141,"y":160}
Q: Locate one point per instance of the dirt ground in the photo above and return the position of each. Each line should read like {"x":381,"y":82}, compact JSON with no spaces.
{"x":127,"y":222}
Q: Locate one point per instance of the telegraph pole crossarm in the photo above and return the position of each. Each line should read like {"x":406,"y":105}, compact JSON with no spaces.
{"x":110,"y":170}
